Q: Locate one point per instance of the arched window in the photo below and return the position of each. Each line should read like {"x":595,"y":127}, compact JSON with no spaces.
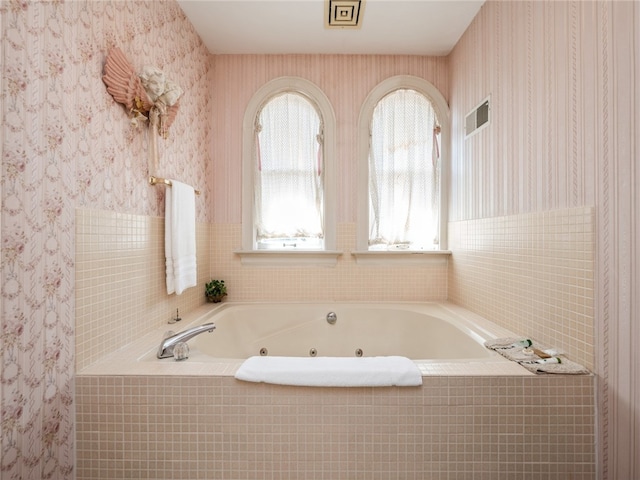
{"x":401,"y":129}
{"x":288,"y":175}
{"x":288,"y":191}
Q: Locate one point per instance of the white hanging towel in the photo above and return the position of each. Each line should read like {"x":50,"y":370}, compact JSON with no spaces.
{"x":180,"y":237}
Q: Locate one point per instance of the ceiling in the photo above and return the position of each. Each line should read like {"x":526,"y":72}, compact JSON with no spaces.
{"x":400,"y":27}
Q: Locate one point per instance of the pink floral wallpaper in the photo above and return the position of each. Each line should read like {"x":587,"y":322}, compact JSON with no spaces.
{"x":67,"y":144}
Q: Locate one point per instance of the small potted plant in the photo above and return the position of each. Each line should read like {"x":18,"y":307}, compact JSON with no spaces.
{"x":215,"y":290}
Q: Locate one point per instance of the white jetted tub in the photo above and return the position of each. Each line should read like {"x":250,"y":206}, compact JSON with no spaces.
{"x":204,"y":397}
{"x":417,"y":331}
{"x":441,"y":338}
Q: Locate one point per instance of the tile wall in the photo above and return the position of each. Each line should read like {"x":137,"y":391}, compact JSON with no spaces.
{"x":120,"y":280}
{"x":530,"y":427}
{"x":347,"y":281}
{"x":530,"y":273}
{"x":121,"y":293}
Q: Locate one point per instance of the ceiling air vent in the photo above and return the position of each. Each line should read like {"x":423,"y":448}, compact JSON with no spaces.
{"x":477,"y":119}
{"x":343,"y":13}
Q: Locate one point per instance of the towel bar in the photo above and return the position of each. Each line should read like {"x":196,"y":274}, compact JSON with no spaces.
{"x":164,"y":181}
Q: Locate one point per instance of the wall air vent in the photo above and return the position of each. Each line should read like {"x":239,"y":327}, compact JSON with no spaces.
{"x":343,"y":13}
{"x":477,"y":119}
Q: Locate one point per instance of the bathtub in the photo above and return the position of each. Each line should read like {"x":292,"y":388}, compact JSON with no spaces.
{"x":259,"y":430}
{"x":431,"y":334}
{"x":417,"y":331}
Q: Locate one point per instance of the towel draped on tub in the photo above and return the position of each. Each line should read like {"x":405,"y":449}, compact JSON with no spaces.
{"x":514,"y":349}
{"x":331,"y":371}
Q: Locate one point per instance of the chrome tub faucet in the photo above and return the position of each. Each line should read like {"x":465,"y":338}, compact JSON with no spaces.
{"x":167,"y":345}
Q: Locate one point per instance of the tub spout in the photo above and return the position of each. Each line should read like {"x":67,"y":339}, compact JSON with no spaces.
{"x":166,"y":346}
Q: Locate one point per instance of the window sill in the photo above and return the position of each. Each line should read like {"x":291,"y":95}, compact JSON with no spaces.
{"x":394,"y":258}
{"x":323,"y":258}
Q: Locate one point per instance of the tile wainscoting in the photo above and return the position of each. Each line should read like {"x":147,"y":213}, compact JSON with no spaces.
{"x":165,"y":427}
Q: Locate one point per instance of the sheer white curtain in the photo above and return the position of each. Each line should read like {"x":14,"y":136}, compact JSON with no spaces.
{"x":404,"y":173}
{"x":289,"y":173}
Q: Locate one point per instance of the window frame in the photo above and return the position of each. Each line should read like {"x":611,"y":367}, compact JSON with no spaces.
{"x":441,"y":109}
{"x":249,"y":252}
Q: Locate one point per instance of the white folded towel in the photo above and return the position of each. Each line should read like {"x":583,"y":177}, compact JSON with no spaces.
{"x":331,"y":371}
{"x":180,"y":237}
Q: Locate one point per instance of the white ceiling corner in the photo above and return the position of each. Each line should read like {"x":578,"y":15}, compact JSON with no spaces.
{"x":401,"y":27}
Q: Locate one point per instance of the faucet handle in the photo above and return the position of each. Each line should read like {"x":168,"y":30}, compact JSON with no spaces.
{"x":180,"y":351}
